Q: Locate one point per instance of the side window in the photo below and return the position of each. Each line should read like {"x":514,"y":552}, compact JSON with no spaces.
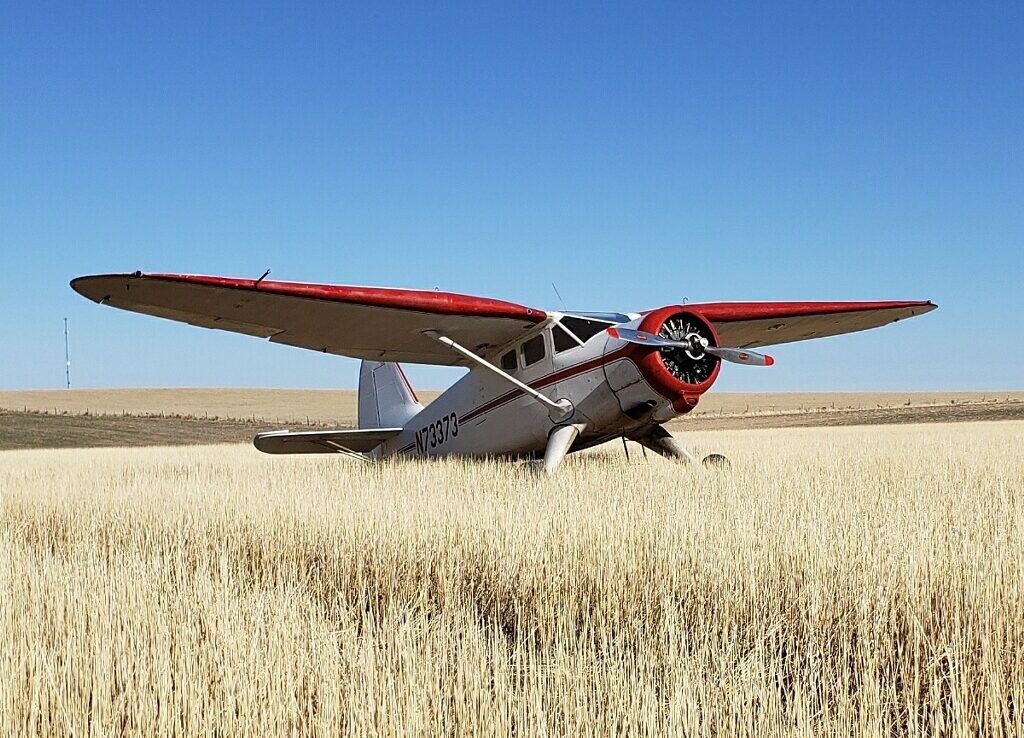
{"x":508,"y":361}
{"x":533,"y":350}
{"x":563,"y":341}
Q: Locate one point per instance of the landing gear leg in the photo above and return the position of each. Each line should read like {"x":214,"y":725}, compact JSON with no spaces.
{"x":661,"y":441}
{"x":559,"y":442}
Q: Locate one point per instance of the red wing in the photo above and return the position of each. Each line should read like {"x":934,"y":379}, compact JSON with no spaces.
{"x":753,"y":324}
{"x":363,"y":322}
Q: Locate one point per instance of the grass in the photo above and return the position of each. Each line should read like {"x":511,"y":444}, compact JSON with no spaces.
{"x":863,"y":581}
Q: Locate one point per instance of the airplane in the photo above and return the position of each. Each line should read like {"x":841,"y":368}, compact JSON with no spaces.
{"x":541,"y":383}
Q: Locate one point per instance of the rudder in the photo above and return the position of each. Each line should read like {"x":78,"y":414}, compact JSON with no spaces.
{"x":386,"y":400}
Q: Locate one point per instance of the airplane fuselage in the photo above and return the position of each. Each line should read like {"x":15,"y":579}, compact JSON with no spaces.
{"x":483,"y":415}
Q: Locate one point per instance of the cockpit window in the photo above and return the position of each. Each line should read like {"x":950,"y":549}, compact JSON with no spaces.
{"x":508,"y":361}
{"x":583,"y":328}
{"x":563,"y":341}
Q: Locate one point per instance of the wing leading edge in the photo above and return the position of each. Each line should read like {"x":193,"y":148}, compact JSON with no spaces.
{"x":363,"y":322}
{"x":754,"y":324}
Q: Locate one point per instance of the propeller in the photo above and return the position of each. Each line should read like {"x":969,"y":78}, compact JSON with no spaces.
{"x":694,"y":345}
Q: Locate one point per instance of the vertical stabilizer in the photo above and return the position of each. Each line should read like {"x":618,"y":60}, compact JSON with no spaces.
{"x":385,"y":398}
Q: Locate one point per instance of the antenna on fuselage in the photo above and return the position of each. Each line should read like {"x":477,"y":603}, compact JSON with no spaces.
{"x":559,"y":295}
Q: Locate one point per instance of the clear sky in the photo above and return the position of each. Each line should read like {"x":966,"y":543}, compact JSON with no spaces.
{"x":634,"y":155}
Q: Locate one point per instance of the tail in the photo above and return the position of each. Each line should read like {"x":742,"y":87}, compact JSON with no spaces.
{"x":386,"y":399}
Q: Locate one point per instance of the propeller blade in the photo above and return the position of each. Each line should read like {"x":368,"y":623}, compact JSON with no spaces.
{"x":736,"y":356}
{"x":644,"y":338}
{"x":739,"y":356}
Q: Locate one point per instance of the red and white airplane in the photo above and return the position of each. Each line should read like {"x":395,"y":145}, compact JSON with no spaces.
{"x":540,"y":384}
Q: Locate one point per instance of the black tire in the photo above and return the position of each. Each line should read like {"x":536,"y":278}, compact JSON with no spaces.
{"x":717,"y":461}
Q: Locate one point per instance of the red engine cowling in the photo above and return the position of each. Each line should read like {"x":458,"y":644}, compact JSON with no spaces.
{"x":675,"y":373}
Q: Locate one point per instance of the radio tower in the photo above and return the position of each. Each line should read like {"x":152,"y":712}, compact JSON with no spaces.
{"x":67,"y":356}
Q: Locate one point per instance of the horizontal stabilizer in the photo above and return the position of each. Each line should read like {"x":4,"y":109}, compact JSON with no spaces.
{"x":323,"y":442}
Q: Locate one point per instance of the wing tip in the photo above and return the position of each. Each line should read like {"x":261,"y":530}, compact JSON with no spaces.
{"x":83,"y":284}
{"x":920,"y":307}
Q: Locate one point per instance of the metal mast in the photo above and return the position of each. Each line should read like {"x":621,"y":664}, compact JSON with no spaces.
{"x":67,"y":356}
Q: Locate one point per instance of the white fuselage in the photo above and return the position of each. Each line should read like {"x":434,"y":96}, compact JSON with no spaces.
{"x":484,"y":415}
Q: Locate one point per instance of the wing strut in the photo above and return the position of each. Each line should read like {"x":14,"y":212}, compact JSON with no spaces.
{"x":557,"y":409}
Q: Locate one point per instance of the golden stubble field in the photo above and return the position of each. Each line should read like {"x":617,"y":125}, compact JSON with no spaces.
{"x":848,"y":581}
{"x":338,"y":407}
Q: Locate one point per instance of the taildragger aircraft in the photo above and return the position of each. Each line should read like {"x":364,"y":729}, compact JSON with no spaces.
{"x":540,"y":384}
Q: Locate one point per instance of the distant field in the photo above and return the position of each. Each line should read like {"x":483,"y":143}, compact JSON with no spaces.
{"x":339,"y":406}
{"x":43,"y":430}
{"x":314,"y":406}
{"x":837,"y":582}
{"x":147,"y":417}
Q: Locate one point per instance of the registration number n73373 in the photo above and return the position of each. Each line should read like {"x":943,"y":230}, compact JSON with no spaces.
{"x":436,"y":433}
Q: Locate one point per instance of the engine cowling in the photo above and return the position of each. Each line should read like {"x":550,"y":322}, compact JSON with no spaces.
{"x":681,"y":375}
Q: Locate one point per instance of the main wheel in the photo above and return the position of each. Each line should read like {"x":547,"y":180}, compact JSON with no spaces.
{"x":717,"y":461}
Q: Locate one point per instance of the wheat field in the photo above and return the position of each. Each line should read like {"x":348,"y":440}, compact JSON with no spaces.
{"x":848,"y":581}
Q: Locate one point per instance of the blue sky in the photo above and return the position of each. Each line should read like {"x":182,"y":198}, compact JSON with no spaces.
{"x":634,"y":155}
